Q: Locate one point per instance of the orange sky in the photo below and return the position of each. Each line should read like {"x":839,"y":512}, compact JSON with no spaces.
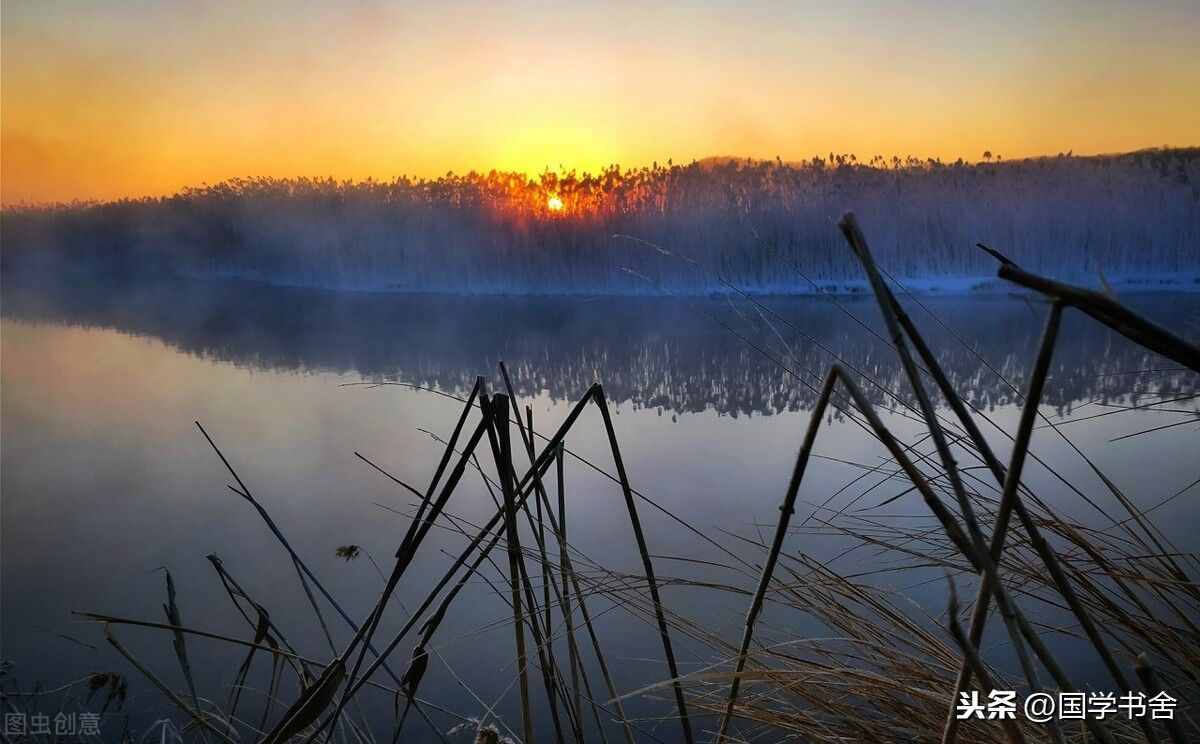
{"x":104,"y":99}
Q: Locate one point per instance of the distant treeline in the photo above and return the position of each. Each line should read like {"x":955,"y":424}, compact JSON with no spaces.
{"x":762,"y":226}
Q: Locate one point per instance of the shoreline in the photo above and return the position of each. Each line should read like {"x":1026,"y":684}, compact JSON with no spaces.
{"x":947,"y":286}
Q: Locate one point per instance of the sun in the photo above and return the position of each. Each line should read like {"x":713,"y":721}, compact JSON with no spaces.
{"x":554,"y":204}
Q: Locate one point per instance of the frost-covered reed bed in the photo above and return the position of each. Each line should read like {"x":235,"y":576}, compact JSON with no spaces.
{"x":764,"y":226}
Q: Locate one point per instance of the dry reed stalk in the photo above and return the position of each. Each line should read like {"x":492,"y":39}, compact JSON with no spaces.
{"x":1014,"y":622}
{"x":568,"y":619}
{"x":787,"y":508}
{"x":1010,"y":500}
{"x":982,"y":556}
{"x":647,"y":565}
{"x":404,"y":556}
{"x":264,"y":631}
{"x":504,"y":468}
{"x":908,"y":688}
{"x":891,"y":310}
{"x":523,"y":490}
{"x":548,"y":663}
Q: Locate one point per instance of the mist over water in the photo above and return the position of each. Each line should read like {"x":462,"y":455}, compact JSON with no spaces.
{"x":105,"y":477}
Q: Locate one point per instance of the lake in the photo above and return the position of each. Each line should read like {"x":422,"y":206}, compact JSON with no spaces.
{"x":106,"y":478}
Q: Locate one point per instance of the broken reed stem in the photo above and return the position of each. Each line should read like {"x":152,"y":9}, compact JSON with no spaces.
{"x":647,"y":565}
{"x":525,"y":430}
{"x":545,"y":665}
{"x":581,"y":601}
{"x":787,"y":508}
{"x":447,"y":453}
{"x":521,"y":492}
{"x":264,"y":630}
{"x":1010,"y":500}
{"x":1113,"y":314}
{"x":888,"y":307}
{"x":1107,"y":311}
{"x":547,"y":576}
{"x":504,"y":468}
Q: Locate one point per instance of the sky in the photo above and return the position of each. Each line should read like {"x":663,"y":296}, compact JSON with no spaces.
{"x":102,"y":100}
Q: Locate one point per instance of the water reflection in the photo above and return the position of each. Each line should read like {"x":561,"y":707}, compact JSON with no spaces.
{"x":103,"y":472}
{"x":676,"y":355}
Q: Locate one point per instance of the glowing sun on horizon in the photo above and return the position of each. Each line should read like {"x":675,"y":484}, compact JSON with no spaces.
{"x":554,"y":204}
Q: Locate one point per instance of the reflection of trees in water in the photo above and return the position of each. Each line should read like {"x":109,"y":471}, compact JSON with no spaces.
{"x":671,"y":354}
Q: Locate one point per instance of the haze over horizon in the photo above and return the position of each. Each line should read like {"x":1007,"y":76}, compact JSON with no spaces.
{"x":103,"y":100}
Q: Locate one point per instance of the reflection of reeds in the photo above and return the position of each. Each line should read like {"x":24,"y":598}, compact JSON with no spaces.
{"x":879,"y":674}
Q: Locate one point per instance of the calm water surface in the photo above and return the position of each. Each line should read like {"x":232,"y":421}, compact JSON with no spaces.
{"x":105,"y":477}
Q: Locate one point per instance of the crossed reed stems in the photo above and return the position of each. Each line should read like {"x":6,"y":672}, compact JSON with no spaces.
{"x":328,"y":689}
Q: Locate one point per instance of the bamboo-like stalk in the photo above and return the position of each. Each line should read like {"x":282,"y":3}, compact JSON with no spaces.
{"x":1094,"y":600}
{"x":447,"y":452}
{"x":545,"y":666}
{"x":547,"y":576}
{"x":1010,"y":499}
{"x":549,"y":664}
{"x":1111,"y":313}
{"x":568,"y":619}
{"x":990,"y":580}
{"x":1013,"y":619}
{"x":947,"y":521}
{"x":786,"y":509}
{"x":647,"y":565}
{"x":504,"y":467}
{"x":1027,"y":631}
{"x":581,"y":601}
